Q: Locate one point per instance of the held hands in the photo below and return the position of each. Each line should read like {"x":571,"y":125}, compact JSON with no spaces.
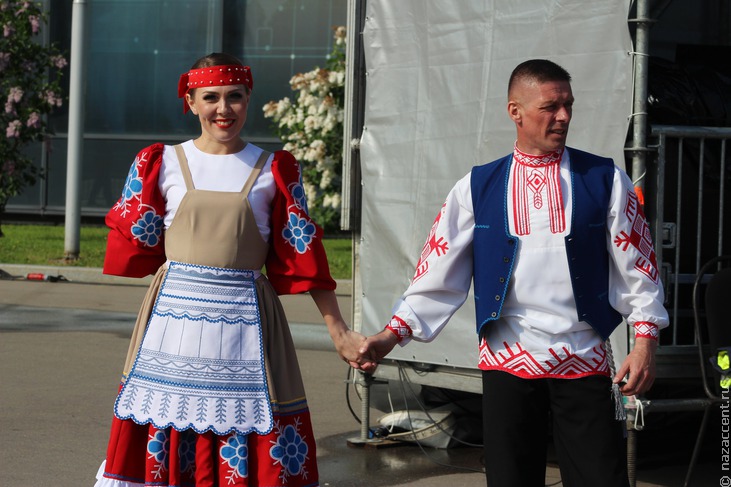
{"x":640,"y":365}
{"x":379,"y":345}
{"x":349,"y":345}
{"x":364,"y":353}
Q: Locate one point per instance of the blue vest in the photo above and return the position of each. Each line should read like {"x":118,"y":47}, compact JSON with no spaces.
{"x":494,"y":248}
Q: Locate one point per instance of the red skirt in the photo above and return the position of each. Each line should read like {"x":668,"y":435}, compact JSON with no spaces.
{"x":142,"y":455}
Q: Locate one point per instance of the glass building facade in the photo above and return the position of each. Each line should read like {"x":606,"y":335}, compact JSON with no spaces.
{"x":135,"y":53}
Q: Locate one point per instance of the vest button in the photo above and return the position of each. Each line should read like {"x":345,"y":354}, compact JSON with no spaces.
{"x":497,"y":297}
{"x":506,"y":260}
{"x":493,"y":314}
{"x":511,"y":242}
{"x":502,"y":279}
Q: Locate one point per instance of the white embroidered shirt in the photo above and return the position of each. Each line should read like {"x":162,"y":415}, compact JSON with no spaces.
{"x":538,"y":333}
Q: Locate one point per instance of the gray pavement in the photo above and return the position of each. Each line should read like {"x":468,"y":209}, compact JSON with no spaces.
{"x":62,"y":345}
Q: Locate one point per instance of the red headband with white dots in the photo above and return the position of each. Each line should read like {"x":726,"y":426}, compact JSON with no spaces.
{"x":225,"y":75}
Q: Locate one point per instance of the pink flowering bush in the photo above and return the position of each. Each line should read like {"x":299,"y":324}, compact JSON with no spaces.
{"x":30,"y":75}
{"x":311,"y":127}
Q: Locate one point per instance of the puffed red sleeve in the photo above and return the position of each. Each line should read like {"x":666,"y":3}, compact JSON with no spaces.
{"x":135,"y":246}
{"x":297,"y":261}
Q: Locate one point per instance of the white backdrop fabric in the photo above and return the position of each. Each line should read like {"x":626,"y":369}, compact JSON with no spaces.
{"x":436,"y":96}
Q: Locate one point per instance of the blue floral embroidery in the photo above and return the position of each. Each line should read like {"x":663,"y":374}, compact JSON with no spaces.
{"x":299,"y":232}
{"x":290,"y":450}
{"x":297,"y":190}
{"x":133,"y":184}
{"x":159,"y":446}
{"x":186,"y":451}
{"x":148,"y":229}
{"x":235,"y":453}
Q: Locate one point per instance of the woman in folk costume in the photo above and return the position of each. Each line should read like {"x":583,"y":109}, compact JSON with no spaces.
{"x":211,"y":392}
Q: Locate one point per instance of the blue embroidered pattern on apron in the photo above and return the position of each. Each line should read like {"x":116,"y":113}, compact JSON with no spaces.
{"x":201,"y":362}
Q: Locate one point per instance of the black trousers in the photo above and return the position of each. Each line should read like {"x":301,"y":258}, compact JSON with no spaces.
{"x":590,"y":443}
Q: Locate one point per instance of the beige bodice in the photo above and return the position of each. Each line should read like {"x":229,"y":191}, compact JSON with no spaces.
{"x":216,"y":228}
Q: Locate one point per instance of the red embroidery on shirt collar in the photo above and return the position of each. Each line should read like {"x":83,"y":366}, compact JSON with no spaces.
{"x":532,"y":160}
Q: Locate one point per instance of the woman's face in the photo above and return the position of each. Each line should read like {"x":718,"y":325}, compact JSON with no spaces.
{"x":222,"y":114}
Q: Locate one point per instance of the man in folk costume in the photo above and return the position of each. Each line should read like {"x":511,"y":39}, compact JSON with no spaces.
{"x":560,"y":253}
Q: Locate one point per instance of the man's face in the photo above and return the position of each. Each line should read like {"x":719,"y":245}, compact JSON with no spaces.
{"x":541,"y":112}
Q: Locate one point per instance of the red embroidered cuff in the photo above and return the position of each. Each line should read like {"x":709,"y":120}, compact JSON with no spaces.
{"x":645,"y":329}
{"x":398,"y":327}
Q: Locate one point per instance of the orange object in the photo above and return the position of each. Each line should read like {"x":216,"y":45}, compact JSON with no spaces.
{"x":640,"y":195}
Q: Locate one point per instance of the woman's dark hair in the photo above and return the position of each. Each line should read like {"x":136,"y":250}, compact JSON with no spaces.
{"x":216,"y":59}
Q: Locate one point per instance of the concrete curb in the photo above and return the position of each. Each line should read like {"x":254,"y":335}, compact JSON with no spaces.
{"x":93,"y":275}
